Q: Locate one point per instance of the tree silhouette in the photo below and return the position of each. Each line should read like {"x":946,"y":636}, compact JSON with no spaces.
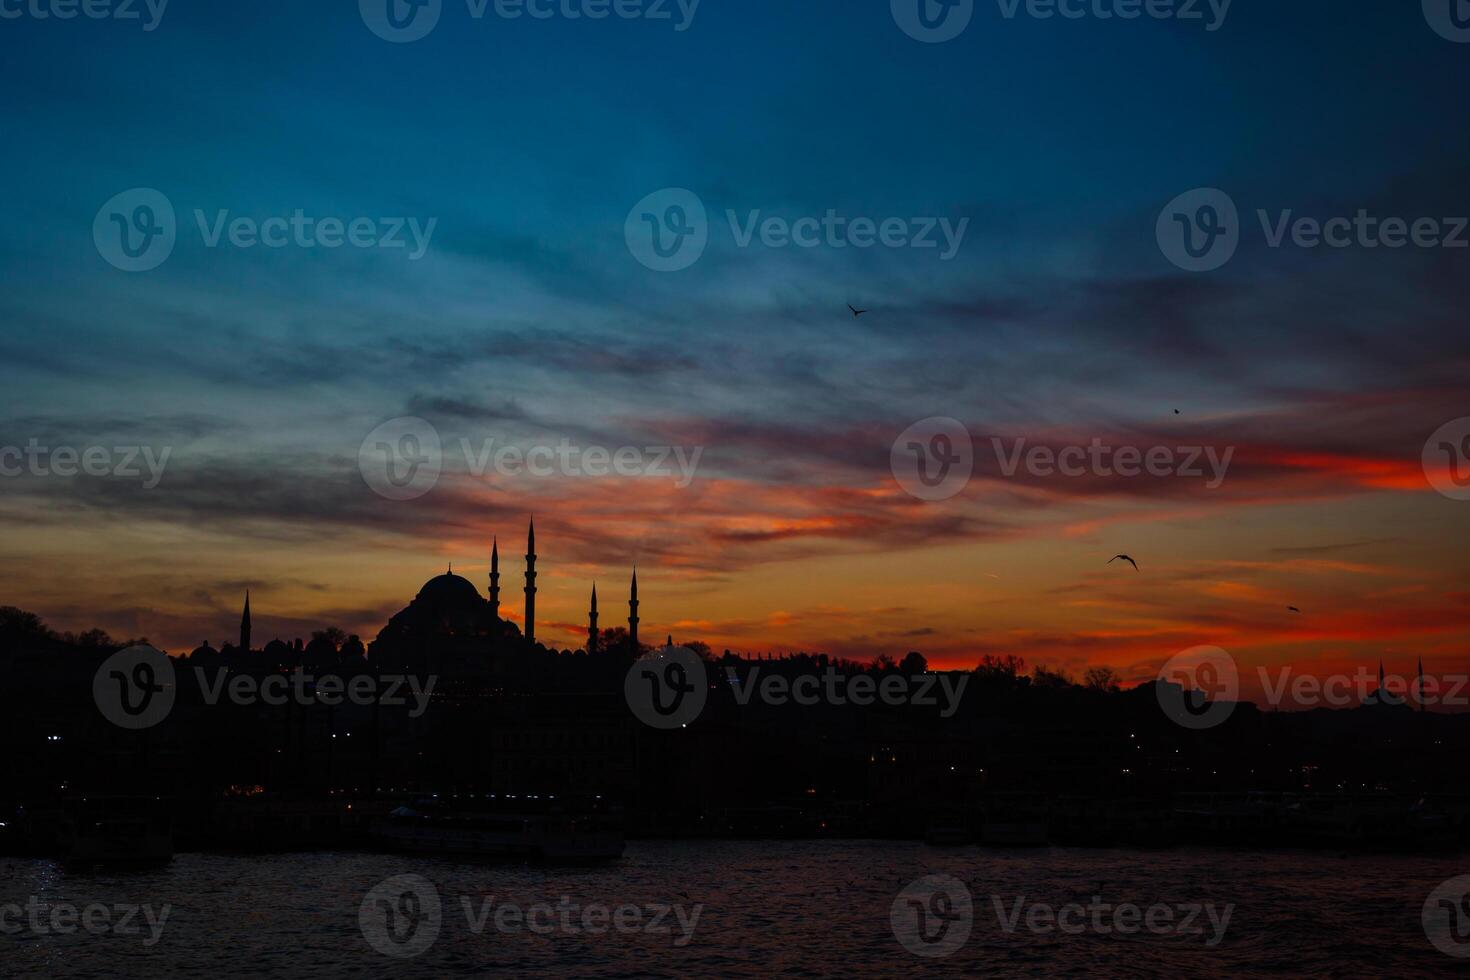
{"x":1101,"y":679}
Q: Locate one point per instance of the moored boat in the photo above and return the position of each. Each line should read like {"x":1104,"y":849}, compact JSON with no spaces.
{"x":116,"y":831}
{"x":549,"y":834}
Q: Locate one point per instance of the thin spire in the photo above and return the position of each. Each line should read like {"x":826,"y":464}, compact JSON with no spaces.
{"x":495,"y":576}
{"x":245,"y":624}
{"x":530,"y":625}
{"x":592,"y":636}
{"x":633,"y":613}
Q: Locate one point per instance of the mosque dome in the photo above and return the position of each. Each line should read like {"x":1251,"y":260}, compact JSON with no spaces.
{"x":448,"y":591}
{"x":446,"y":604}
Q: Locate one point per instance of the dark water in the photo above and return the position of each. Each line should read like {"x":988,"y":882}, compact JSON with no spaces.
{"x":800,"y":908}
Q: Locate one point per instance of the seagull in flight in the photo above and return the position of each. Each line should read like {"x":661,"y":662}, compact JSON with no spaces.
{"x":855,"y":311}
{"x":1125,"y":558}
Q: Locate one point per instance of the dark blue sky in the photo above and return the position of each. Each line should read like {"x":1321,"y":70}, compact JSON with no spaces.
{"x":529,"y":140}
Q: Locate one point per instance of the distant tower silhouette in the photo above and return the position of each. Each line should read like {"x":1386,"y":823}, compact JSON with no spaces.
{"x":592,"y":622}
{"x":531,"y":583}
{"x":495,"y":577}
{"x":633,"y":614}
{"x":1383,"y":695}
{"x":245,"y":625}
{"x":1421,"y":684}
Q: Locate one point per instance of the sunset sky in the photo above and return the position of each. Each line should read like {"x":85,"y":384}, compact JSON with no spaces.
{"x":528,"y":321}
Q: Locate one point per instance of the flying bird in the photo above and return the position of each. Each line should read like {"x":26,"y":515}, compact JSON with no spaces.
{"x":1293,"y":609}
{"x":1176,"y":411}
{"x":1125,"y":558}
{"x":855,"y":311}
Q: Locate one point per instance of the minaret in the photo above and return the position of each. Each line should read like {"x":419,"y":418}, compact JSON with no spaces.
{"x":495,"y":577}
{"x":633,"y":614}
{"x":592,"y":622}
{"x":245,"y":625}
{"x":531,"y":583}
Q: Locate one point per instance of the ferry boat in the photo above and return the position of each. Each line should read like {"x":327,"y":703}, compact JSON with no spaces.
{"x":1015,"y":820}
{"x":946,"y":835}
{"x":532,"y":833}
{"x":1014,"y":833}
{"x":947,"y":827}
{"x":116,"y":831}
